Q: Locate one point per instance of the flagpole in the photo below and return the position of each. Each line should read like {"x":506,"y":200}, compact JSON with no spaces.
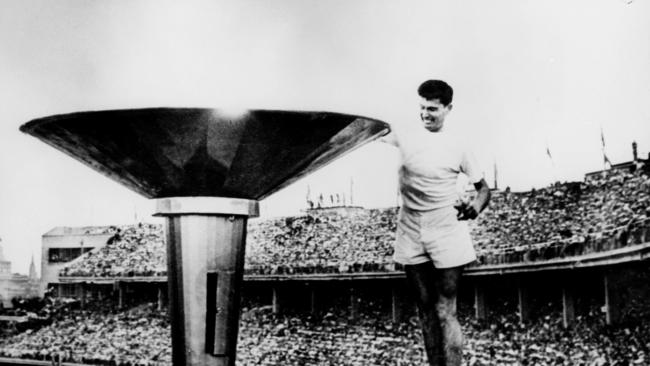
{"x":308,"y":198}
{"x":550,"y":157}
{"x":605,"y":158}
{"x":496,"y":182}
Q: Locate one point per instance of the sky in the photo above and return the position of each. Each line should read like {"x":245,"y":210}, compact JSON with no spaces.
{"x":527,"y":76}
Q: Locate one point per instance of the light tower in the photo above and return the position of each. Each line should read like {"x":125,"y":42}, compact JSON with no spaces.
{"x":207,"y":169}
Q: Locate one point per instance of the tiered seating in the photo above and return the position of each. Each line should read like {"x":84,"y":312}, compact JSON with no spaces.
{"x":132,"y":251}
{"x":558,"y":221}
{"x":604,"y":213}
{"x":98,"y":335}
{"x":141,"y":336}
{"x":323,"y":241}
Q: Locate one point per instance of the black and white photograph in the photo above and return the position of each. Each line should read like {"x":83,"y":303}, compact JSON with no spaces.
{"x":325,"y":182}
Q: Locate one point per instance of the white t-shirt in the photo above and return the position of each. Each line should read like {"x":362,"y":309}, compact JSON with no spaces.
{"x":431,"y":163}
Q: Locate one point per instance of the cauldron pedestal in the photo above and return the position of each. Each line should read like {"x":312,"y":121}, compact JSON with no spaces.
{"x":206,"y":238}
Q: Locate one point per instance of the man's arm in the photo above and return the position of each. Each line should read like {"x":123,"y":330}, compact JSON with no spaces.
{"x":471,"y":210}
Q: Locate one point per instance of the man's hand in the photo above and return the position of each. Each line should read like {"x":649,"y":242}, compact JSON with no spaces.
{"x":470,"y":210}
{"x":467,"y":211}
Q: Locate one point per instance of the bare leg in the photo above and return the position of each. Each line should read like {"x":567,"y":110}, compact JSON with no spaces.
{"x":452,"y":336}
{"x":435,"y":293}
{"x":422,"y":283}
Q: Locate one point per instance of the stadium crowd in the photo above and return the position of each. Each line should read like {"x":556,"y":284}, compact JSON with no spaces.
{"x":500,"y":341}
{"x":141,"y":336}
{"x":98,"y":334}
{"x":602,"y":213}
{"x":605,"y":212}
{"x":132,"y":251}
{"x":334,"y":240}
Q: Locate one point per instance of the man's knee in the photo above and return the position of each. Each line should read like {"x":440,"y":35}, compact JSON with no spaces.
{"x":446,"y":309}
{"x":448,"y":289}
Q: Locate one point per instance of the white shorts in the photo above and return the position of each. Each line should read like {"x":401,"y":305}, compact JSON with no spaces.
{"x":435,"y":236}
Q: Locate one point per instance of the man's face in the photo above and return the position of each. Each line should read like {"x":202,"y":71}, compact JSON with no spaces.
{"x":433,"y":114}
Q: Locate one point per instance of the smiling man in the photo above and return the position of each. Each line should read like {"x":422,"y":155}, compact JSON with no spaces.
{"x":432,"y":239}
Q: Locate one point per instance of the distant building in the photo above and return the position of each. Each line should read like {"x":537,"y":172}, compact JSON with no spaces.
{"x":629,"y":166}
{"x":63,"y":245}
{"x":16,"y":285}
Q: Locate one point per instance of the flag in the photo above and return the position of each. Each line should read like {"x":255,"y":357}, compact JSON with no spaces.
{"x":550,"y":158}
{"x":602,"y":140}
{"x":606,"y":160}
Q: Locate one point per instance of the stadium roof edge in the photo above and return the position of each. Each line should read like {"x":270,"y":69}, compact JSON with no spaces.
{"x":623,"y":165}
{"x":78,"y":230}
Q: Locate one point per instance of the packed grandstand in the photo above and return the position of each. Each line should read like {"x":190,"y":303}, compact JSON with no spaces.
{"x":568,"y":219}
{"x":605,"y":212}
{"x":140,"y":335}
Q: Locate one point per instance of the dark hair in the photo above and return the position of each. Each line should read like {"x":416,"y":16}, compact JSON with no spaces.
{"x":436,"y":89}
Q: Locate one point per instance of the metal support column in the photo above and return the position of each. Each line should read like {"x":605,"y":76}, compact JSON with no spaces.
{"x":206,"y":238}
{"x":276,"y":300}
{"x":523,"y":300}
{"x":480,"y":309}
{"x":354,"y":304}
{"x":612,"y":298}
{"x":568,"y":306}
{"x":397,"y":303}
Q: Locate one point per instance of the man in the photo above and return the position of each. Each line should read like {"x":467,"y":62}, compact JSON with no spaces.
{"x":432,"y":239}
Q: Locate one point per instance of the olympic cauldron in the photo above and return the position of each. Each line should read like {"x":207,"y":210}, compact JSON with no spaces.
{"x":207,"y":168}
